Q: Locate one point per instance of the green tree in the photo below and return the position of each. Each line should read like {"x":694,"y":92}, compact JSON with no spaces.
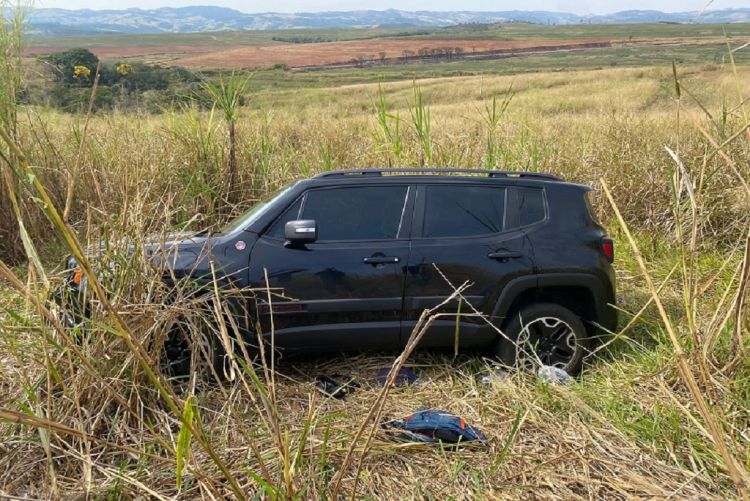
{"x":65,"y":64}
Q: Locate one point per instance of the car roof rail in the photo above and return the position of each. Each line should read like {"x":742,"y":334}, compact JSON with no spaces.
{"x":437,"y":171}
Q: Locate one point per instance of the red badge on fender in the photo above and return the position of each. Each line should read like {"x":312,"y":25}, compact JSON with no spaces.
{"x":240,"y":245}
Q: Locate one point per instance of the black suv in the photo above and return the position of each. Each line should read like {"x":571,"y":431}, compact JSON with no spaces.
{"x":354,"y":257}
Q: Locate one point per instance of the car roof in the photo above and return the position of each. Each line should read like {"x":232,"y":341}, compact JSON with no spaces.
{"x":438,"y":172}
{"x":438,"y":175}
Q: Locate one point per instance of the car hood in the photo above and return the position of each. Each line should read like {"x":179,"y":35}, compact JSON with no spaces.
{"x":186,"y":253}
{"x":176,"y":241}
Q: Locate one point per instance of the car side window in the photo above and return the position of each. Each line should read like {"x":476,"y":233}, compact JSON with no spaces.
{"x":530,"y":206}
{"x":292,"y":213}
{"x":356,"y":213}
{"x":462,"y":211}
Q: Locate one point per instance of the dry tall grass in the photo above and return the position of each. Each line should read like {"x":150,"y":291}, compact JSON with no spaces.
{"x":581,"y":125}
{"x":87,"y":417}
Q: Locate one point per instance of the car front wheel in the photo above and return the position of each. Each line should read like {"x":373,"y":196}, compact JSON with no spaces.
{"x":190,"y":348}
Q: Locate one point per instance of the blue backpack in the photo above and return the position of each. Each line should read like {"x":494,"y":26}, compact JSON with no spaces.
{"x":431,"y":425}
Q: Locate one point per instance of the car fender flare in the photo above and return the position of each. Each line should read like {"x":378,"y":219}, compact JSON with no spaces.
{"x":539,"y":281}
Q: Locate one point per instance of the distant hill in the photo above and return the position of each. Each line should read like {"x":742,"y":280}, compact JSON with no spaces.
{"x":207,"y":18}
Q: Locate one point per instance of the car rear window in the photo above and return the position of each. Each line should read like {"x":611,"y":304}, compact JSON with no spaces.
{"x":461,"y":211}
{"x":530,"y":206}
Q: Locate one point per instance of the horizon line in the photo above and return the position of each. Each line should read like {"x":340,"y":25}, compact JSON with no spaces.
{"x":701,"y":11}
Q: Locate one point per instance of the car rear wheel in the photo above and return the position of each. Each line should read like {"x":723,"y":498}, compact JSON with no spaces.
{"x":544,"y":334}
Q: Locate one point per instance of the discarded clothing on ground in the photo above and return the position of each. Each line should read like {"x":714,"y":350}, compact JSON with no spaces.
{"x":431,"y":425}
{"x":404,"y":377}
{"x":336,"y":385}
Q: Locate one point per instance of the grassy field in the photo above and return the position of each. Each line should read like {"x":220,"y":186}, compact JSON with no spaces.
{"x":515,"y":31}
{"x":217,"y":39}
{"x":712,"y":56}
{"x":88,"y":418}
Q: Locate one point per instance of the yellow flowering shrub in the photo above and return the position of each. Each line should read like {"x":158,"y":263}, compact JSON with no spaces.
{"x":81,"y":71}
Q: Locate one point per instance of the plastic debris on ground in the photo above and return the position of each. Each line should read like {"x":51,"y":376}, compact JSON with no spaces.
{"x":430,"y":426}
{"x":336,"y":385}
{"x":495,"y":375}
{"x":404,"y":377}
{"x":554,"y":375}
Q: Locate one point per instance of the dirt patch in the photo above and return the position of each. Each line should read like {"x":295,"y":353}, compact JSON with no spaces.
{"x":299,"y":55}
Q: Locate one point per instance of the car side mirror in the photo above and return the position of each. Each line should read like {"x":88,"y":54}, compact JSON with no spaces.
{"x":300,"y":232}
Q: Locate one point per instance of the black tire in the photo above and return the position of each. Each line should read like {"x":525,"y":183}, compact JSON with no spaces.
{"x":544,"y":334}
{"x":186,"y":350}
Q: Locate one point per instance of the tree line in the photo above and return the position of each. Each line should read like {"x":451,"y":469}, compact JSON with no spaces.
{"x":447,"y":53}
{"x":74,"y":72}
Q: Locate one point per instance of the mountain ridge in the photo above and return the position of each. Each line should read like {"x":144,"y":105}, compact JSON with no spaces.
{"x":206,"y":18}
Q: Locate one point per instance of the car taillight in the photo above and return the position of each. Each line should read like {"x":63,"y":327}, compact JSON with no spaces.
{"x":608,"y":248}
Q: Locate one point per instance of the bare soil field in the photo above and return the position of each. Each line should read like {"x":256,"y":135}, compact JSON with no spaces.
{"x":321,"y":55}
{"x":312,"y":54}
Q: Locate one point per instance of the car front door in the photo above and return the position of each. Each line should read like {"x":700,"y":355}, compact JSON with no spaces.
{"x":463,"y":233}
{"x":345,"y":290}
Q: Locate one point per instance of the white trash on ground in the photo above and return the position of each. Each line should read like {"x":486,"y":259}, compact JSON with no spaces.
{"x":495,"y":375}
{"x":555,"y":375}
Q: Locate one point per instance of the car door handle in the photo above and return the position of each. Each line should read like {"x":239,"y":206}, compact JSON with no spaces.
{"x":505,"y":255}
{"x":380,"y":260}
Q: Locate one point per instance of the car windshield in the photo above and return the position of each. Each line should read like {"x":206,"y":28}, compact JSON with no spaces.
{"x":256,"y":211}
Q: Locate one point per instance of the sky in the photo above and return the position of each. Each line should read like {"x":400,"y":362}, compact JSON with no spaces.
{"x":574,"y":6}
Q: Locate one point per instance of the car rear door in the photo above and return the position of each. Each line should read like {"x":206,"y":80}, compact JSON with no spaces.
{"x":344,"y":291}
{"x":463,"y":231}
